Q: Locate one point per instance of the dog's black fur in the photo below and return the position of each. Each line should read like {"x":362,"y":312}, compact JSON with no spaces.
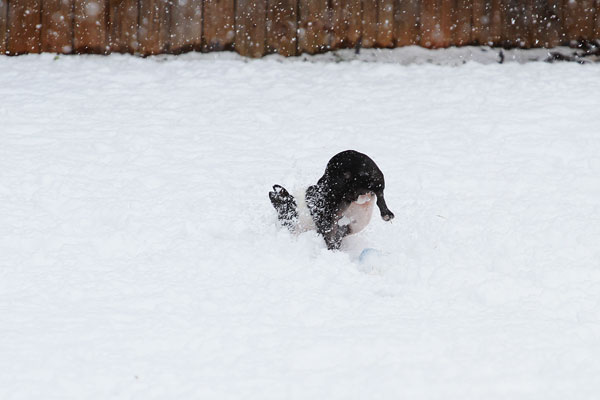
{"x":348,"y":175}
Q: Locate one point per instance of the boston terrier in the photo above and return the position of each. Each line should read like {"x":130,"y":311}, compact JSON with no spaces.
{"x":340,"y":204}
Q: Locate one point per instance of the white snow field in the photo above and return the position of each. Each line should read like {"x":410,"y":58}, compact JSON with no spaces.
{"x":140,"y":257}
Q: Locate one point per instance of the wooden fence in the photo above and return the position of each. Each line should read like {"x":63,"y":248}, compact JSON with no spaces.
{"x":288,"y":27}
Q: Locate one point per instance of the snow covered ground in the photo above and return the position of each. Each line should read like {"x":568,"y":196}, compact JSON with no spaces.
{"x":140,"y":257}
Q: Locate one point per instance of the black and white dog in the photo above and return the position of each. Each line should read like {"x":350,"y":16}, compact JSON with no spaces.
{"x":340,"y":204}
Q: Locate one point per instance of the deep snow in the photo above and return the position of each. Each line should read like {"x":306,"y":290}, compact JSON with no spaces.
{"x":140,"y":256}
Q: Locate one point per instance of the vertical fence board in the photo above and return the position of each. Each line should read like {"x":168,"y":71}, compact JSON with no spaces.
{"x":347,"y":25}
{"x":597,"y":27}
{"x":447,"y":22}
{"x":407,"y":22}
{"x":314,"y":26}
{"x":545,"y":31}
{"x":250,"y":27}
{"x":516,"y":24}
{"x":496,"y":21}
{"x":430,"y":23}
{"x":90,"y":26}
{"x":57,"y":26}
{"x":385,"y":23}
{"x":369,"y":23}
{"x":463,"y":17}
{"x":3,"y":20}
{"x":553,"y":23}
{"x":186,"y":26}
{"x":482,"y":18}
{"x":579,"y":19}
{"x":153,"y":29}
{"x":123,"y":25}
{"x":24,"y":26}
{"x":282,"y":21}
{"x":219,"y":24}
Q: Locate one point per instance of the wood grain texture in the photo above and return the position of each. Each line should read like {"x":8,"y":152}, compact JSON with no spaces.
{"x":186,"y":26}
{"x":482,"y":19}
{"x":57,"y":26}
{"x":24,"y":26}
{"x":3,"y":25}
{"x":282,"y":22}
{"x":251,"y":27}
{"x":463,"y":17}
{"x":90,"y":25}
{"x":579,"y":19}
{"x":515,"y":24}
{"x":407,"y":20}
{"x":597,"y":24}
{"x":219,"y":25}
{"x":123,"y":26}
{"x":314,"y":26}
{"x":369,"y":23}
{"x":447,"y":22}
{"x":385,"y":23}
{"x":431,"y":34}
{"x":154,"y":27}
{"x":347,"y":23}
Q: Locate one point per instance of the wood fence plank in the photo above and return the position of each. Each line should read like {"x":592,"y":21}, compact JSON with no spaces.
{"x":282,"y":21}
{"x":496,"y":21}
{"x":90,"y":26}
{"x":314,"y":26}
{"x":123,"y":26}
{"x":219,"y":25}
{"x":447,"y":22}
{"x":407,"y":16}
{"x":516,"y":24}
{"x":482,"y":19}
{"x":464,"y":12}
{"x":545,"y":27}
{"x":431,"y":35}
{"x":154,"y":27}
{"x":385,"y":23}
{"x":347,"y":23}
{"x":597,"y":25}
{"x":57,"y":26}
{"x":579,"y":19}
{"x":251,"y":27}
{"x":369,"y":23}
{"x":186,"y":26}
{"x":3,"y":23}
{"x":24,"y":26}
{"x":553,"y":22}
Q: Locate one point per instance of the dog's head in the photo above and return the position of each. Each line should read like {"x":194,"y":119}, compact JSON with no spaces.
{"x":350,"y":174}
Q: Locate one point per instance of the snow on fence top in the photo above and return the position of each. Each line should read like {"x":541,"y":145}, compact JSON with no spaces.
{"x":288,"y":27}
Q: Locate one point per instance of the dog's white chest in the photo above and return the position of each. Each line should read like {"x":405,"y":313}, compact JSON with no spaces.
{"x":358,"y":214}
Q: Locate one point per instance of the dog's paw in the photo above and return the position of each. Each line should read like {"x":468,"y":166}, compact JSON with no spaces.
{"x":388,"y":216}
